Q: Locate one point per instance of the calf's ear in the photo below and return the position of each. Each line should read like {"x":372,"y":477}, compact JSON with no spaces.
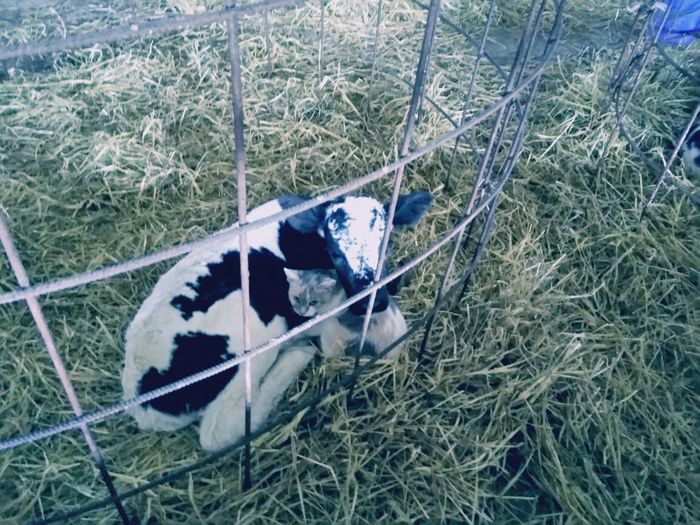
{"x":411,"y":207}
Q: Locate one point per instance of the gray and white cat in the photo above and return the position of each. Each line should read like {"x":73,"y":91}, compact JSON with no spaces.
{"x":313,"y":292}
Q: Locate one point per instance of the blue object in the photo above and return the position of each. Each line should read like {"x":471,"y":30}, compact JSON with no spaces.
{"x":682,"y":27}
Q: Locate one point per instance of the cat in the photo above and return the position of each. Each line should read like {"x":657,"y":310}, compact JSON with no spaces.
{"x":313,"y":292}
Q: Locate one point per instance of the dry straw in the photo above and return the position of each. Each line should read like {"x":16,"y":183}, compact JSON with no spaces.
{"x":561,"y":388}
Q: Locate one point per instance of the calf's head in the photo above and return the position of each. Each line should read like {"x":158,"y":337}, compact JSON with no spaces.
{"x":353,"y":228}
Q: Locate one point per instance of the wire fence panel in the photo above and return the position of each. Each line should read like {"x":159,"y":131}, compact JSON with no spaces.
{"x":642,"y":50}
{"x":495,"y":148}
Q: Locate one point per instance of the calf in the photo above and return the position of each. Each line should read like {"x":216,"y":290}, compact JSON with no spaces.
{"x":192,"y":319}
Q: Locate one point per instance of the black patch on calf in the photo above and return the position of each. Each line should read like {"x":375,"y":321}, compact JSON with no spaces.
{"x":694,"y":138}
{"x":224,"y":277}
{"x":306,"y":221}
{"x":373,"y":220}
{"x":269,"y":289}
{"x":303,"y":251}
{"x":268,"y":286}
{"x":340,"y":217}
{"x":193,"y":352}
{"x":410,"y":208}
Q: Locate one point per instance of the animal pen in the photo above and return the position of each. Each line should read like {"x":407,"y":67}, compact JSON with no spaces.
{"x":364,"y":92}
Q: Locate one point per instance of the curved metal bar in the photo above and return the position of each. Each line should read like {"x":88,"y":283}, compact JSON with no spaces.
{"x":150,"y":29}
{"x":228,"y":234}
{"x":313,"y":399}
{"x":309,"y":401}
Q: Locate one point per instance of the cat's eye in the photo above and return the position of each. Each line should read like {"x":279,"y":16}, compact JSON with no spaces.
{"x":313,"y":303}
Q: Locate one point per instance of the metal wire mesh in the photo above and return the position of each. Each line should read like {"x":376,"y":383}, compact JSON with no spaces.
{"x":641,"y":48}
{"x":500,"y":155}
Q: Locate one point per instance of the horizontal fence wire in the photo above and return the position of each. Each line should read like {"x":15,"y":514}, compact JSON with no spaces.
{"x":145,"y":29}
{"x":511,"y":99}
{"x":231,"y":233}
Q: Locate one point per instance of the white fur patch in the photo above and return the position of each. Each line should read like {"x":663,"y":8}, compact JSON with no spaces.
{"x":360,"y":235}
{"x":691,"y":154}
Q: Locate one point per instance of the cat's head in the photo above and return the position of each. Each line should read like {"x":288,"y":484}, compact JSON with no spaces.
{"x":312,"y":291}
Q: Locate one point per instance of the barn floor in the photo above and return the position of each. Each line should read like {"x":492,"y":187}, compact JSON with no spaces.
{"x":562,"y":388}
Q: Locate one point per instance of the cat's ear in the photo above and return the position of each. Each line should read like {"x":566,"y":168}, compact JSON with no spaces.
{"x":327,"y":282}
{"x":292,"y":275}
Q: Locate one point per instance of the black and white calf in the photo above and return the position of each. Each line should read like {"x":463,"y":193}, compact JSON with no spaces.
{"x":192,"y":319}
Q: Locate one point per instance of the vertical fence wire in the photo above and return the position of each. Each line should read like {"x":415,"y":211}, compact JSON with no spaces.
{"x":517,"y":71}
{"x":637,"y":77}
{"x":20,"y":273}
{"x":236,"y":86}
{"x":617,"y":70}
{"x":515,"y":146}
{"x":483,"y":240}
{"x":497,"y":133}
{"x":268,"y":41}
{"x":375,"y":48}
{"x":470,"y":92}
{"x":418,"y":86}
{"x":321,"y":38}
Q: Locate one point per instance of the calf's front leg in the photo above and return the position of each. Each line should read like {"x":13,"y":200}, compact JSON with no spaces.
{"x":290,"y":362}
{"x":223,"y":422}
